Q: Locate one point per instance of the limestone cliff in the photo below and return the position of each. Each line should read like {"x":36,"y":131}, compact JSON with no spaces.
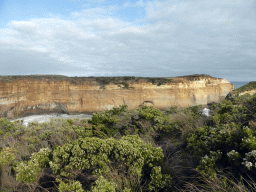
{"x":26,"y":95}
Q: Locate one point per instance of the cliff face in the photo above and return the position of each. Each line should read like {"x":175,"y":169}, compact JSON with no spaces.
{"x":25,"y":96}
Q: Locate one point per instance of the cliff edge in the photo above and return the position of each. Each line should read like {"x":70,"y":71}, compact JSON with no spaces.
{"x":38,"y":94}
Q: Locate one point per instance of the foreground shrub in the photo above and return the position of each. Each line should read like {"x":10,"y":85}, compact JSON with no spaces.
{"x":129,"y":155}
{"x":229,"y":147}
{"x":7,"y":156}
{"x":149,"y":112}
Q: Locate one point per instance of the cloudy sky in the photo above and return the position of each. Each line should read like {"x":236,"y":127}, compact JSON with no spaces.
{"x":148,"y":38}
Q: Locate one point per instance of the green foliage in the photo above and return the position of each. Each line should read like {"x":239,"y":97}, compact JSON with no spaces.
{"x":103,"y":81}
{"x":28,"y":171}
{"x":46,"y":134}
{"x":75,"y":186}
{"x":250,"y":160}
{"x":102,"y":123}
{"x":1,"y":132}
{"x":107,"y":117}
{"x":208,"y":164}
{"x":149,"y":112}
{"x":31,"y":139}
{"x":171,"y":110}
{"x":196,"y":77}
{"x":232,"y":139}
{"x":83,"y":131}
{"x":233,"y":156}
{"x":248,"y":140}
{"x":229,"y":111}
{"x":102,"y":185}
{"x":118,"y":110}
{"x":247,"y":87}
{"x":193,"y":111}
{"x":158,"y":180}
{"x":129,"y":155}
{"x":6,"y":125}
{"x":160,"y":81}
{"x":70,"y":121}
{"x":102,"y":118}
{"x":7,"y":156}
{"x":229,"y":136}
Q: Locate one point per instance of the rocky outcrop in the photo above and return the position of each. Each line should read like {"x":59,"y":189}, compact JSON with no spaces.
{"x":26,"y":95}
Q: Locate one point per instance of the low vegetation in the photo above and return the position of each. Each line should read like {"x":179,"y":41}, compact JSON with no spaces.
{"x":123,"y":81}
{"x":248,"y":87}
{"x":146,"y":149}
{"x":195,"y":77}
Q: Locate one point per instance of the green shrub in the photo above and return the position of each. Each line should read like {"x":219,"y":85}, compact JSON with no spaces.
{"x":130,"y":155}
{"x":149,"y":112}
{"x":171,"y":110}
{"x":28,"y":171}
{"x":103,"y":118}
{"x":70,"y":186}
{"x":103,"y":185}
{"x":233,"y":141}
{"x":7,"y":156}
{"x":70,"y":121}
{"x":6,"y":125}
{"x":159,"y":81}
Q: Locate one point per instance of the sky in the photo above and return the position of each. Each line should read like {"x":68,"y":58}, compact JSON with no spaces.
{"x":146,"y":38}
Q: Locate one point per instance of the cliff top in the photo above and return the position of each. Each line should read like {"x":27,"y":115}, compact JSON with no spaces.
{"x":103,"y":81}
{"x":196,"y":77}
{"x":247,"y":87}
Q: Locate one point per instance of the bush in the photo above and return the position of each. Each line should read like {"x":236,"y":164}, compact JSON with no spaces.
{"x":149,"y":112}
{"x":130,"y":155}
{"x":6,"y":125}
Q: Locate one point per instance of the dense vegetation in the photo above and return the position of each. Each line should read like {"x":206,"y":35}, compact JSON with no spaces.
{"x":146,"y":149}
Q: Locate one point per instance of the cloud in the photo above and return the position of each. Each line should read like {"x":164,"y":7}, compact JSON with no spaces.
{"x":139,"y":3}
{"x":174,"y":38}
{"x":97,"y":12}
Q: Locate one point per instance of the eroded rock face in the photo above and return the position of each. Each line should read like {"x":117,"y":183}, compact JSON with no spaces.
{"x":25,"y":96}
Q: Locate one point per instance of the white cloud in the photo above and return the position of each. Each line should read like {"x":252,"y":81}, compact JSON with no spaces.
{"x":138,"y":4}
{"x":174,"y":38}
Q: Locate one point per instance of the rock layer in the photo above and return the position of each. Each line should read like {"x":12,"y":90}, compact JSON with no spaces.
{"x":22,"y":96}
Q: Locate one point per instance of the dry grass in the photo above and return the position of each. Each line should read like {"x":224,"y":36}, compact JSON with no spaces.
{"x":221,"y":183}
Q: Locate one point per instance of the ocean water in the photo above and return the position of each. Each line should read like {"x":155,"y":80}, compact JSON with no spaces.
{"x":238,"y":84}
{"x":47,"y":118}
